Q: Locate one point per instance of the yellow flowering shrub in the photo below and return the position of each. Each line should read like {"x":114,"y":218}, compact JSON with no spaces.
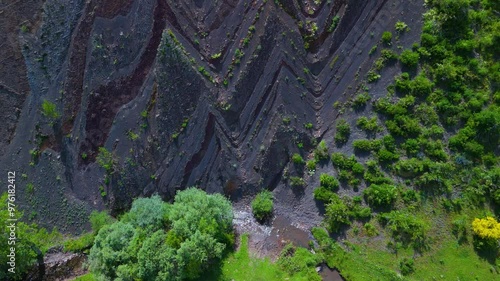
{"x":486,"y":228}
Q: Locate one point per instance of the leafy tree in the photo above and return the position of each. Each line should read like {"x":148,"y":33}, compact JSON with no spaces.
{"x":262,"y":205}
{"x":99,"y":219}
{"x":160,"y":241}
{"x":31,"y":243}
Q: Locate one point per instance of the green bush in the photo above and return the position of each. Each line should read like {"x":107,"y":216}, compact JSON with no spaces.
{"x":334,"y":23}
{"x":358,"y":169}
{"x":369,"y":125}
{"x":297,"y":159}
{"x":336,"y":214}
{"x":386,"y":156}
{"x":370,"y":229}
{"x":407,"y":266}
{"x":388,"y":55}
{"x":321,"y":151}
{"x":343,"y":132}
{"x":49,"y":110}
{"x":409,"y":58}
{"x":401,"y":27}
{"x":262,"y":205}
{"x":360,"y":100}
{"x":83,"y":243}
{"x":99,"y":219}
{"x":323,"y":194}
{"x":367,"y":145}
{"x":311,"y":165}
{"x":297,"y":181}
{"x":362,"y":145}
{"x":298,"y":261}
{"x":380,"y":195}
{"x":341,"y":161}
{"x":329,"y":182}
{"x":387,"y":37}
{"x":373,"y":76}
{"x":106,"y":160}
{"x":405,"y":228}
{"x":80,"y":244}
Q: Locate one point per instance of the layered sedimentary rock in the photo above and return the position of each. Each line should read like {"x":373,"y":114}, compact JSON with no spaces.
{"x":217,"y":94}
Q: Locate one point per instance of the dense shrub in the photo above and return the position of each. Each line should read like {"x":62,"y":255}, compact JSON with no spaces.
{"x":329,"y":182}
{"x":409,"y":58}
{"x":358,"y":169}
{"x":297,"y":159}
{"x":421,"y":86}
{"x":337,"y":214}
{"x":323,"y":194}
{"x":380,"y":195}
{"x":407,"y":266}
{"x":343,"y":132}
{"x":367,"y":145}
{"x":411,"y":146}
{"x":388,"y":55}
{"x":311,"y":165}
{"x":262,"y":205}
{"x":405,"y":228}
{"x":369,"y":125}
{"x":386,"y":156}
{"x":387,"y":37}
{"x":370,"y":229}
{"x":341,"y":161}
{"x":83,"y":243}
{"x":297,"y":181}
{"x":298,"y":260}
{"x":321,"y":151}
{"x":360,"y":100}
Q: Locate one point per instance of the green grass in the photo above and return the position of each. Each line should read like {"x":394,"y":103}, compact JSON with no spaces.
{"x":86,"y":277}
{"x":368,"y":258}
{"x":242,"y":266}
{"x":352,"y":264}
{"x":453,"y":261}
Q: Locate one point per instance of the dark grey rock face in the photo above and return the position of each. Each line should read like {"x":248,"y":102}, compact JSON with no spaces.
{"x":217,"y":94}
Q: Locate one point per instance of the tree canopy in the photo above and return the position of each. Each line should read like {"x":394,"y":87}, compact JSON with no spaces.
{"x":160,"y":241}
